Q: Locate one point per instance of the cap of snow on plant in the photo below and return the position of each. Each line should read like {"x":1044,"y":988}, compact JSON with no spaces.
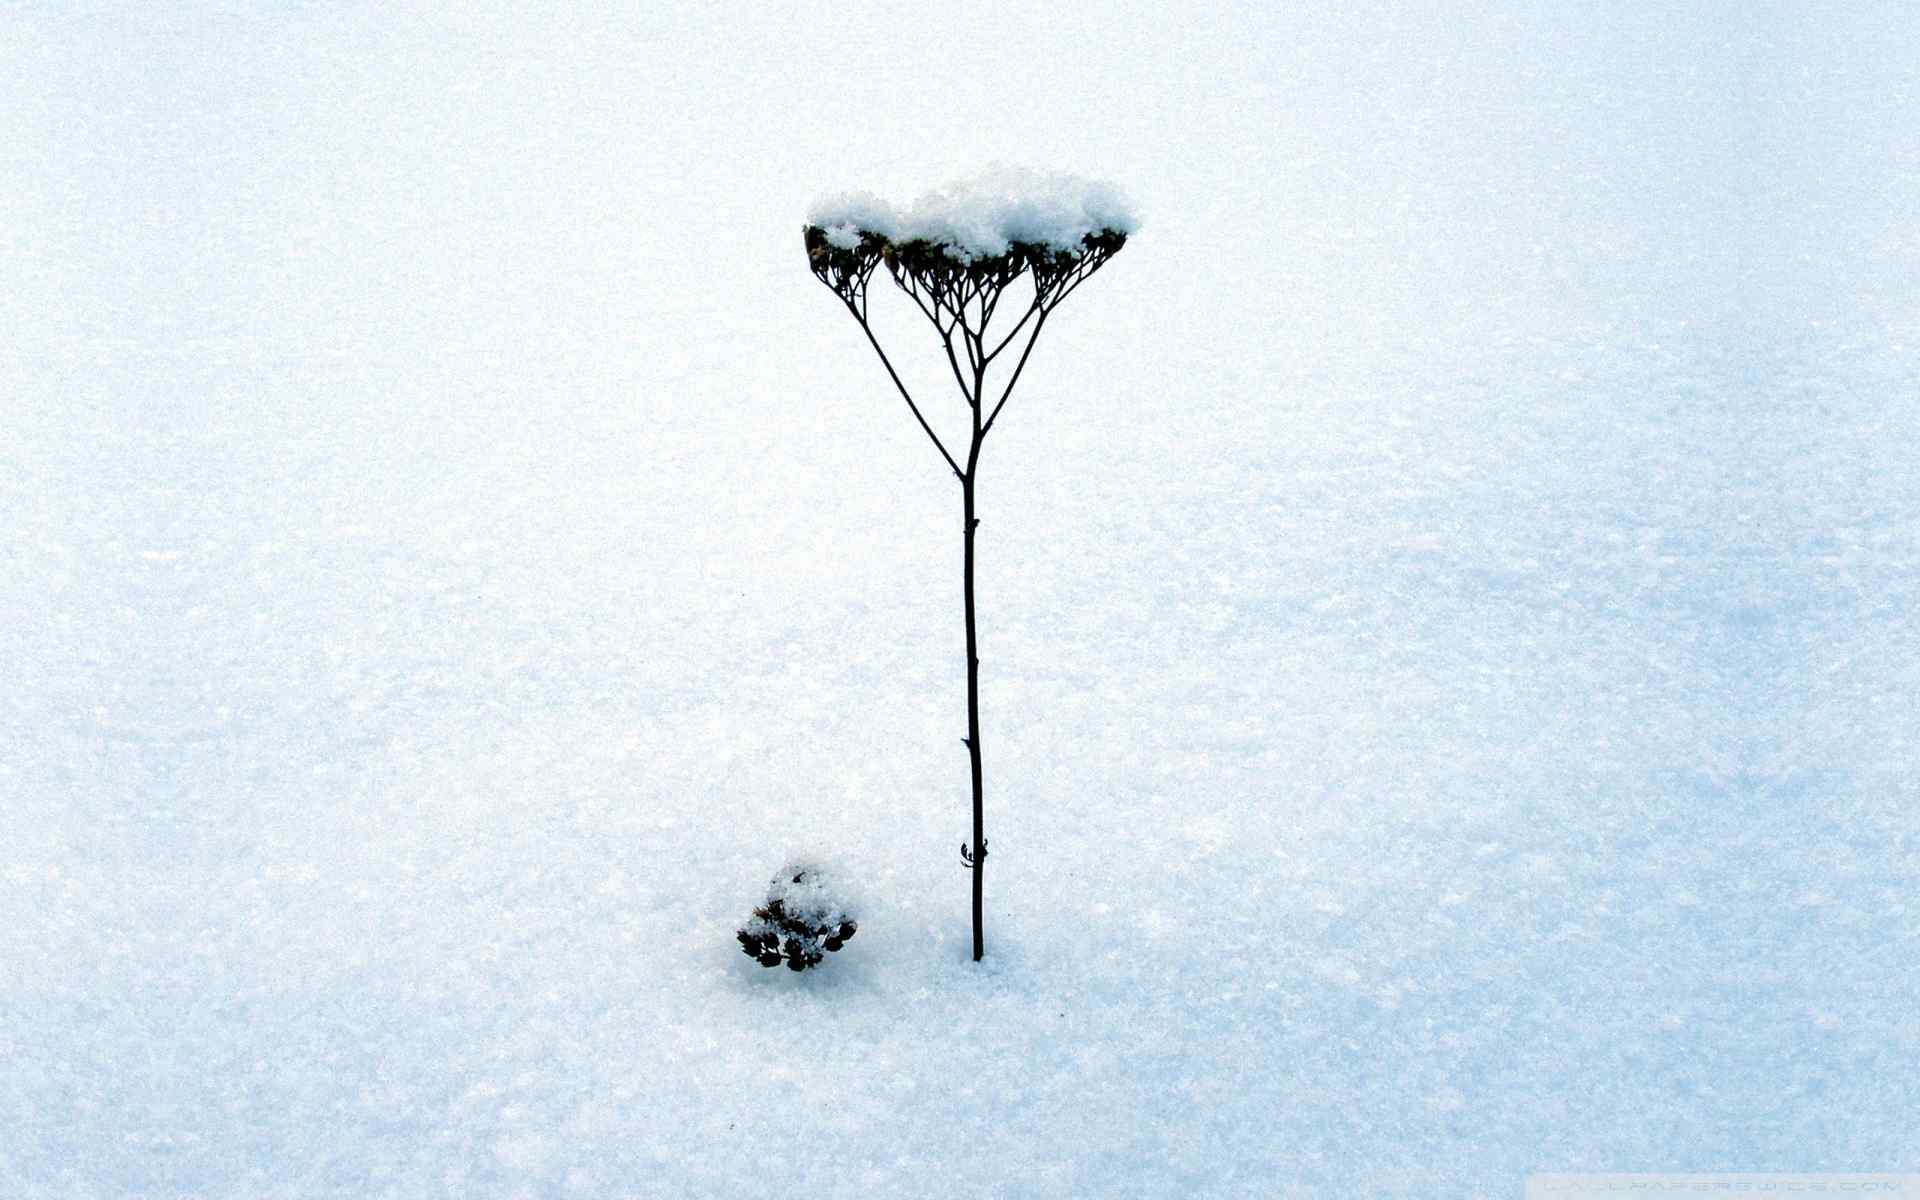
{"x":985,"y":216}
{"x":1001,"y":221}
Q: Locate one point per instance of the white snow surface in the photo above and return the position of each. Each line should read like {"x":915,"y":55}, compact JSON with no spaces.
{"x":983,"y":215}
{"x":1446,"y":605}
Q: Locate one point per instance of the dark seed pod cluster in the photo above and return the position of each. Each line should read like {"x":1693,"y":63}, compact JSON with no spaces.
{"x":798,"y":925}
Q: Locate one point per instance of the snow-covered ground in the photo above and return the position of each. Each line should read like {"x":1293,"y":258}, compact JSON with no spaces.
{"x":1446,"y":597}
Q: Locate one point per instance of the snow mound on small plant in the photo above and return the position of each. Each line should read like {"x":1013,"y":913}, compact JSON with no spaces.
{"x":807,"y":893}
{"x":807,"y":915}
{"x":984,"y":216}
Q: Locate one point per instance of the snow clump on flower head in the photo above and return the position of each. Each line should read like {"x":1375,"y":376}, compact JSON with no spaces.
{"x":845,"y":217}
{"x":807,"y":893}
{"x":985,"y":216}
{"x":806,"y":917}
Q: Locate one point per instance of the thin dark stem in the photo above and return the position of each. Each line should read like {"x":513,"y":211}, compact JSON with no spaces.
{"x":1018,"y":326}
{"x":973,"y":397}
{"x":1018,"y":367}
{"x":891,"y":374}
{"x":913,"y":293}
{"x":979,"y":858}
{"x":992,"y":301}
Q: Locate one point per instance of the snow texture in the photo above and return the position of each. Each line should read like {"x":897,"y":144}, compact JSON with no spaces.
{"x":1446,"y":604}
{"x":984,"y":215}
